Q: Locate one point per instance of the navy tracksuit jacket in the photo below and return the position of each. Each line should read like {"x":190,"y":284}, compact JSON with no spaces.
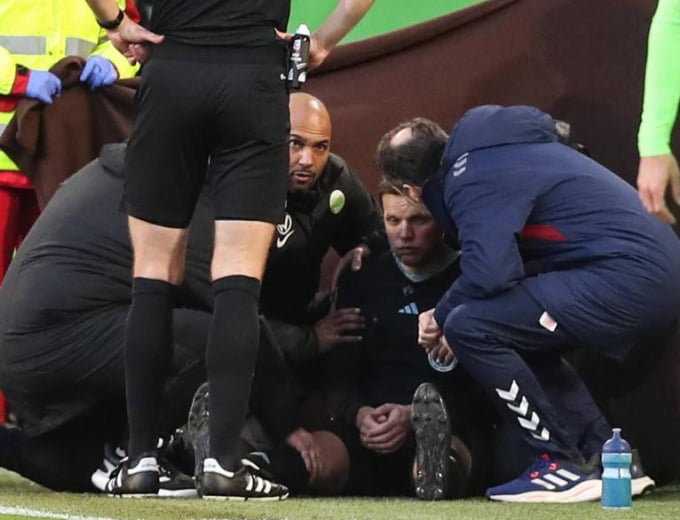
{"x":556,"y":251}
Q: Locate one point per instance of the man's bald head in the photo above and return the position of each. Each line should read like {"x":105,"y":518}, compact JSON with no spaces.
{"x":310,"y":140}
{"x":309,"y":112}
{"x":401,"y":137}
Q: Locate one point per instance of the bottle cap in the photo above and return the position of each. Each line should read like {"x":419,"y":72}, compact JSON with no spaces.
{"x":303,"y":29}
{"x":616,"y":444}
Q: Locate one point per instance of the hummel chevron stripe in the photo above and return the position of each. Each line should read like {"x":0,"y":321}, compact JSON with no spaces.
{"x":519,"y":404}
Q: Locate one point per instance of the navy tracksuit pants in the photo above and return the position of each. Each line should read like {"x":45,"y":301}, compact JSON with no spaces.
{"x":518,"y":361}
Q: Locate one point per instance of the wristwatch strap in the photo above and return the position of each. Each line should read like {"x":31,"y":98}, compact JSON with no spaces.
{"x":113,"y":23}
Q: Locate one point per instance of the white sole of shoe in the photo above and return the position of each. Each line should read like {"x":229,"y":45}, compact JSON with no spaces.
{"x":136,"y":495}
{"x":246,"y":499}
{"x":584,"y":492}
{"x":179,"y":493}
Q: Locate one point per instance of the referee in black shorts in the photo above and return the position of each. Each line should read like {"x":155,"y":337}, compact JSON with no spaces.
{"x":212,"y":107}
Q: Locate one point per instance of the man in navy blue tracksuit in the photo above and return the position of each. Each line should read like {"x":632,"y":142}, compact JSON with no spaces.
{"x":557,"y":251}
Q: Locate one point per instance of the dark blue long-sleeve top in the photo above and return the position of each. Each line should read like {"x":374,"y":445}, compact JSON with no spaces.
{"x":529,"y":210}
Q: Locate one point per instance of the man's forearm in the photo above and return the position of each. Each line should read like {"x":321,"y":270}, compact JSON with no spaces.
{"x":345,"y":16}
{"x":104,"y":10}
{"x":123,"y":32}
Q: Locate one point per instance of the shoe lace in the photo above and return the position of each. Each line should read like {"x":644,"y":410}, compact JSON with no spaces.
{"x":541,"y":465}
{"x":167,"y":468}
{"x":164,"y":471}
{"x":257,"y":463}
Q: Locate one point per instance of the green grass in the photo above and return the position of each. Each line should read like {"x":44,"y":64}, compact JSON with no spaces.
{"x":16,"y":492}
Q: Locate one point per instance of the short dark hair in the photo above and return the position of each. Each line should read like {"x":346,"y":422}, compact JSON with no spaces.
{"x":390,"y":187}
{"x":415,"y":160}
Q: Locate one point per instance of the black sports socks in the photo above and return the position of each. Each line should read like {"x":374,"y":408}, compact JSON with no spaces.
{"x":148,"y":351}
{"x":230,"y":362}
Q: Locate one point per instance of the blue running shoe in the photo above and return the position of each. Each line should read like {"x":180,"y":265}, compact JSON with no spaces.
{"x":548,"y":480}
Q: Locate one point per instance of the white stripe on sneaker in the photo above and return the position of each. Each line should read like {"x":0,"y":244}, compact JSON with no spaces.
{"x":555,"y":479}
{"x":543,"y":483}
{"x":567,"y":474}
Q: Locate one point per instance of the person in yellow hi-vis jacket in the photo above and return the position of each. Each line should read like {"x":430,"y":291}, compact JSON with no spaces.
{"x":34,"y":36}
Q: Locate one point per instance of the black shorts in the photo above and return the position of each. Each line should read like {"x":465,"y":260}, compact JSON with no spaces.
{"x":215,"y":115}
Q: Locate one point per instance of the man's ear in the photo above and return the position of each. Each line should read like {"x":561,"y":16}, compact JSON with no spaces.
{"x":412,"y":192}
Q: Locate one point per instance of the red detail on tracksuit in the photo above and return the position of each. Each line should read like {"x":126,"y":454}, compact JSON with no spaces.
{"x":542,"y":232}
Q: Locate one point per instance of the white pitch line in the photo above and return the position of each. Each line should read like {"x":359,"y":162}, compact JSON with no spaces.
{"x":34,"y":513}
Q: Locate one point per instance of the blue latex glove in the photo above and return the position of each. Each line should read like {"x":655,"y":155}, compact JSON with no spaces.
{"x":98,"y":72}
{"x":43,"y":86}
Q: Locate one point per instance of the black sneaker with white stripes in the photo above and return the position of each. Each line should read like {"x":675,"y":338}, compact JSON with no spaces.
{"x":137,"y":479}
{"x":219,"y":484}
{"x":433,"y":443}
{"x":171,"y":481}
{"x":113,"y":455}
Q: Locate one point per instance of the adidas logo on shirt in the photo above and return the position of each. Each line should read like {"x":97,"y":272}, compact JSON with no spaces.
{"x":410,"y":308}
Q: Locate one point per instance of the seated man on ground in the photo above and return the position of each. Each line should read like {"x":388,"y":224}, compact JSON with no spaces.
{"x":557,"y":251}
{"x":384,"y":392}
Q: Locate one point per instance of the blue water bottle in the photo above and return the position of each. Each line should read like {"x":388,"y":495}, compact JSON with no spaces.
{"x":616,"y":481}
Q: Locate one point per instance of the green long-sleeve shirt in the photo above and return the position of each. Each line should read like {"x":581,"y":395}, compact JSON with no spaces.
{"x":662,"y":81}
